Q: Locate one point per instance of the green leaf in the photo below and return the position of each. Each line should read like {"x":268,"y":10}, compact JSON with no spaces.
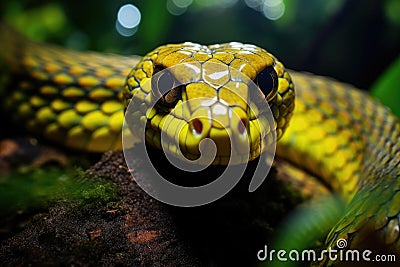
{"x":387,"y":87}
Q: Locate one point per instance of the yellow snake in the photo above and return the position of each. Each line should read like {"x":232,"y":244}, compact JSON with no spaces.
{"x":337,"y":132}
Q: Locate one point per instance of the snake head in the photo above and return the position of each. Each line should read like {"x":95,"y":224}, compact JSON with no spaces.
{"x":234,"y":95}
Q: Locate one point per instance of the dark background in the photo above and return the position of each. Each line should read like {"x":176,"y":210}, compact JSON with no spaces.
{"x":353,"y":41}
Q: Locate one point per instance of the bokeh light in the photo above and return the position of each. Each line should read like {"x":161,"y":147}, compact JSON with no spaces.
{"x":182,"y":3}
{"x":254,"y":4}
{"x":271,"y":9}
{"x":128,"y":20}
{"x":178,"y":7}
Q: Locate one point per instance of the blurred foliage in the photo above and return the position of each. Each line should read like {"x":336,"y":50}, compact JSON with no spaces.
{"x":386,"y":88}
{"x":306,"y":228}
{"x":392,"y":11}
{"x":35,"y":21}
{"x":43,"y":26}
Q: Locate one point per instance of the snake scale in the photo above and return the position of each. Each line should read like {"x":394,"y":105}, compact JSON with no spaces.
{"x":336,"y":131}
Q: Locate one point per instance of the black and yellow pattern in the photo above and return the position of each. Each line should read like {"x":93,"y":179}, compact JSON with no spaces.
{"x":65,"y":95}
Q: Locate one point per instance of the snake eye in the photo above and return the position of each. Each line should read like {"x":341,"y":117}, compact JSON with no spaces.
{"x":164,"y":82}
{"x":267,"y":81}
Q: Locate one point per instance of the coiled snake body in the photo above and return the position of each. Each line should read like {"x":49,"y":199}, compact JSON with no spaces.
{"x":336,"y":131}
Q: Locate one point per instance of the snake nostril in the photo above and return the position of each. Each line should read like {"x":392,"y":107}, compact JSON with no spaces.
{"x":242,"y":126}
{"x":197,"y":126}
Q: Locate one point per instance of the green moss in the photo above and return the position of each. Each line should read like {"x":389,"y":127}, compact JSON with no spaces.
{"x":103,"y":192}
{"x":38,"y":188}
